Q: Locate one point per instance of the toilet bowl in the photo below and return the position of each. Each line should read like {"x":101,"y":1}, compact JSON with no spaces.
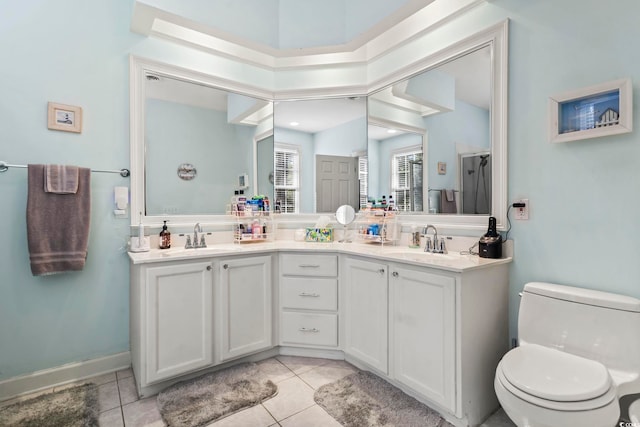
{"x":573,"y":360}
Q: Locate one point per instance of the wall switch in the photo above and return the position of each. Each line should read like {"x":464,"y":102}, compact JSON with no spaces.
{"x":522,"y":213}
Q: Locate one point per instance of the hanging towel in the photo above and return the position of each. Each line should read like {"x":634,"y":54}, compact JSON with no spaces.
{"x":448,"y":201}
{"x":57,"y":224}
{"x":61,"y":179}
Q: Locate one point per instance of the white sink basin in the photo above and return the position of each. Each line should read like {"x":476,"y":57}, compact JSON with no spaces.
{"x":420,"y":255}
{"x":181,"y":251}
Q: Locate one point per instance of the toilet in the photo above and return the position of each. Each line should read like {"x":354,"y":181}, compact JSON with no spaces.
{"x":578,"y":355}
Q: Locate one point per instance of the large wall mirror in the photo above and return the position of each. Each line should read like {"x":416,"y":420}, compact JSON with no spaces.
{"x":430,"y":134}
{"x":430,"y":138}
{"x":197,"y":144}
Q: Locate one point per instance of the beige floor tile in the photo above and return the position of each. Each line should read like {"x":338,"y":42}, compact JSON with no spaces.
{"x":314,"y":416}
{"x":325,"y":374}
{"x":125,"y":373}
{"x":498,"y":419}
{"x":274,"y":370}
{"x":111,"y":418}
{"x":293,"y":396}
{"x":256,"y":416}
{"x":301,"y":364}
{"x":128,"y":392}
{"x":142,"y":413}
{"x":108,"y":396}
{"x":102,"y":379}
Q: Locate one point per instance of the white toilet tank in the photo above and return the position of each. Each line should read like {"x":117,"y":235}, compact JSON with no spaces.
{"x":597,"y":325}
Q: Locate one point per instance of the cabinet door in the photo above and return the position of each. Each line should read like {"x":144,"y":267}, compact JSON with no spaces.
{"x":178,"y":321}
{"x":366,"y":315}
{"x":245,"y":306}
{"x":422,"y":322}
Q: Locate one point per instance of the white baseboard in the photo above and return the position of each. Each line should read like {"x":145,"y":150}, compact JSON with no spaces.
{"x":47,"y":378}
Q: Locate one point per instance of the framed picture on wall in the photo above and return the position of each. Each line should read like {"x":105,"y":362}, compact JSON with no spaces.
{"x":67,"y":118}
{"x":591,"y":112}
{"x":442,"y":168}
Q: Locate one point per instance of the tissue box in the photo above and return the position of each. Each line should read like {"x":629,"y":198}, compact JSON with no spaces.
{"x":318,"y":234}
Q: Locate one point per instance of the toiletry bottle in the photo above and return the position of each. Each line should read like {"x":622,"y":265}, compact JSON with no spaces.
{"x":165,"y":237}
{"x":256,"y":229}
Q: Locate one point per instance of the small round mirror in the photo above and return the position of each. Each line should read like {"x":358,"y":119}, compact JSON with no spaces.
{"x":345,"y":216}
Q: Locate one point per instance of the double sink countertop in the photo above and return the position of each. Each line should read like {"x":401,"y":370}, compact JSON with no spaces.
{"x":452,"y":261}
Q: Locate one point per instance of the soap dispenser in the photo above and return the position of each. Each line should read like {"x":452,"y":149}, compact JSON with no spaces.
{"x":165,"y":237}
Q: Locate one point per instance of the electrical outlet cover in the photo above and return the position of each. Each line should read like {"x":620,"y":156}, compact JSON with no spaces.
{"x":522,"y":213}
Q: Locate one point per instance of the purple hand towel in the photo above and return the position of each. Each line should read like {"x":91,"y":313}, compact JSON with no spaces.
{"x":448,"y":201}
{"x":57,"y":224}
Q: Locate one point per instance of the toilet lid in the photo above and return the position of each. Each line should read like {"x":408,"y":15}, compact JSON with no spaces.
{"x":555,"y":375}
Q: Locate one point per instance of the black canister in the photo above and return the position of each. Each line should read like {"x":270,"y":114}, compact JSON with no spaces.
{"x":490,"y":245}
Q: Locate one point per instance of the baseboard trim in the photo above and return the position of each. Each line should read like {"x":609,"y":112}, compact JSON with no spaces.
{"x":47,"y":378}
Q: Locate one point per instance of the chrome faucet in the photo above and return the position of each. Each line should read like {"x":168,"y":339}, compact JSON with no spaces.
{"x":196,"y":243}
{"x":437,"y":246}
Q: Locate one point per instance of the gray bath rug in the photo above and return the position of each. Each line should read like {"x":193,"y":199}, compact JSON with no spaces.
{"x":72,"y":407}
{"x":199,"y":401}
{"x":363,"y":399}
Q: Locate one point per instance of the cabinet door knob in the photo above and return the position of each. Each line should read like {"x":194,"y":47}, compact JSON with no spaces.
{"x":395,"y":274}
{"x":225,"y":266}
{"x":208,"y":268}
{"x":381,"y":271}
{"x":313,"y":330}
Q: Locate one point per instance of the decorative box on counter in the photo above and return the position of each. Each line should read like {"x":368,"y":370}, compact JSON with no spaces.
{"x":318,"y":234}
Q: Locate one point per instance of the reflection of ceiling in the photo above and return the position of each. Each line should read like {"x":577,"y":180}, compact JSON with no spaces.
{"x":169,"y":89}
{"x":473,"y":77}
{"x":315,"y":115}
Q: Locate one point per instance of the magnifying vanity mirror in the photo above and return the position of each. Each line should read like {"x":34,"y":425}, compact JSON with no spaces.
{"x":345,"y":215}
{"x":431,"y":135}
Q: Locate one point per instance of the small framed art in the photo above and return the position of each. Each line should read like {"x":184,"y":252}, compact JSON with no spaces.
{"x":600,"y":110}
{"x":64,"y":117}
{"x":442,"y":168}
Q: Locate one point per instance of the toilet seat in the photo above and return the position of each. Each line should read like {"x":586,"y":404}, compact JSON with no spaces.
{"x":555,"y":380}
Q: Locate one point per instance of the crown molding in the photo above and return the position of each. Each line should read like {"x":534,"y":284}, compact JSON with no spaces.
{"x":381,"y":39}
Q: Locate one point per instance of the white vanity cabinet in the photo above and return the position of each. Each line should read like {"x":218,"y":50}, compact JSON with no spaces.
{"x":244,"y":306}
{"x":422,"y":335}
{"x":171,"y":319}
{"x":308,"y":300}
{"x":436,"y":333}
{"x":365,"y":308}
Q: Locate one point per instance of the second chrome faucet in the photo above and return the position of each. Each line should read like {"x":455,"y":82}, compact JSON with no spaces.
{"x":196,"y":243}
{"x":436,"y":246}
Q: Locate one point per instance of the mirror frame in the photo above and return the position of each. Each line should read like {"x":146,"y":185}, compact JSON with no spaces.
{"x":496,"y":37}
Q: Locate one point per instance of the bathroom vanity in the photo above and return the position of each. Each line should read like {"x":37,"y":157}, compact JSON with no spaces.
{"x":434,"y":325}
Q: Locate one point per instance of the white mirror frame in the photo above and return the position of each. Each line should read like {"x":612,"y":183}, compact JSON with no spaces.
{"x":495,"y":36}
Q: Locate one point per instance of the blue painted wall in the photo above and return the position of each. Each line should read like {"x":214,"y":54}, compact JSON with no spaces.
{"x":583,"y":226}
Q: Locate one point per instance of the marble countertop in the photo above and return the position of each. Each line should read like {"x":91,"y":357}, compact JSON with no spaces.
{"x":452,"y":261}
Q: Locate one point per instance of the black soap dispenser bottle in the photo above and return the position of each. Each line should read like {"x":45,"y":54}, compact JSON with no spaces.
{"x":165,"y":237}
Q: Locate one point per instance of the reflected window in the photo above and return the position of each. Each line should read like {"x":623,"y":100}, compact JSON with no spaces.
{"x":363,"y":177}
{"x":287,"y":179}
{"x":403,"y":183}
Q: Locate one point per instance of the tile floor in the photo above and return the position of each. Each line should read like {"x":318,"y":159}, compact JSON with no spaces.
{"x":297,"y":379}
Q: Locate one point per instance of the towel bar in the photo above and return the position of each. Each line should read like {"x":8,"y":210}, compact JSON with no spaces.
{"x":4,"y":166}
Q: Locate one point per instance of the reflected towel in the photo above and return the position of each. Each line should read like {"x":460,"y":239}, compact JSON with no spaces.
{"x":448,"y":201}
{"x":57,"y":224}
{"x":61,"y":179}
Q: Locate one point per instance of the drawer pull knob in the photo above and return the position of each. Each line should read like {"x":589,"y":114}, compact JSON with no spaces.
{"x":307,"y":294}
{"x":309,"y":265}
{"x":314,"y":330}
{"x":208,"y":268}
{"x":381,"y":271}
{"x":395,"y":274}
{"x":225,"y":266}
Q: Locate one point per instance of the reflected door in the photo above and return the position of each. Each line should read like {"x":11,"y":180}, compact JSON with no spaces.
{"x":336,"y":182}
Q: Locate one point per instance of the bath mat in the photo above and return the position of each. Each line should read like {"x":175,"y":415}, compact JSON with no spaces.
{"x":71,"y":407}
{"x":202,"y":400}
{"x":363,"y":399}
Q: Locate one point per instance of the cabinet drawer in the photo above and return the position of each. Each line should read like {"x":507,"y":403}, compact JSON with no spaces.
{"x":311,"y":293}
{"x":309,"y":265}
{"x":309,"y":329}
